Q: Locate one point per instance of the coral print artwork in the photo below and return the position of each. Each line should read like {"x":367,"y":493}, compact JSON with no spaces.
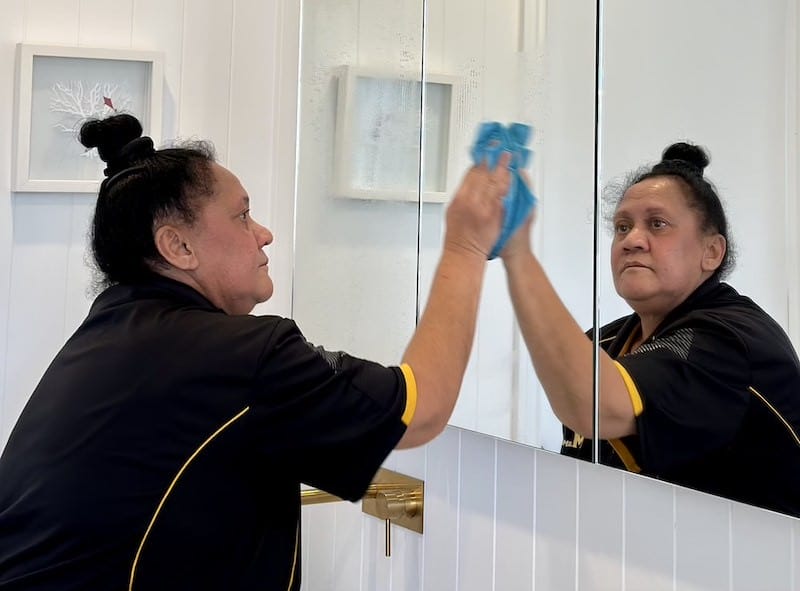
{"x":75,"y":102}
{"x":67,"y":92}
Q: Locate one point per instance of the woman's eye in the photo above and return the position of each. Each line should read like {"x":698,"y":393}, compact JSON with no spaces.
{"x":621,"y":228}
{"x":243,"y":215}
{"x":658,"y":224}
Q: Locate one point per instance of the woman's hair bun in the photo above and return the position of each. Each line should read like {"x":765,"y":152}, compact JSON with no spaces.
{"x":694,"y":155}
{"x":110,"y":135}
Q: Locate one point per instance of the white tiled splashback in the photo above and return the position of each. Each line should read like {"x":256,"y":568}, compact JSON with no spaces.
{"x":504,"y":517}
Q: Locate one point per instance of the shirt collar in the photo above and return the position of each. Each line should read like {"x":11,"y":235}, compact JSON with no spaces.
{"x":154,"y":287}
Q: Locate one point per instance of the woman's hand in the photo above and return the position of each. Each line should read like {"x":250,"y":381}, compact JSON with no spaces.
{"x":475,"y":214}
{"x":439,"y":350}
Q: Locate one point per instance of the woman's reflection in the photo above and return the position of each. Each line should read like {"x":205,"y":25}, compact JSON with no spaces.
{"x":699,"y":386}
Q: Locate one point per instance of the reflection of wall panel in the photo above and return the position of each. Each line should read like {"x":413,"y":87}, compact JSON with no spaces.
{"x":546,"y":80}
{"x":689,"y":78}
{"x":475,"y":41}
{"x":355,"y":261}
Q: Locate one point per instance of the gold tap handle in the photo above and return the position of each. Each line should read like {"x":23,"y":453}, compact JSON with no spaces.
{"x":392,"y":497}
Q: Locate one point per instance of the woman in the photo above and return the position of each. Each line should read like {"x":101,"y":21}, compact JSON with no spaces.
{"x":165,"y":445}
{"x":699,"y":386}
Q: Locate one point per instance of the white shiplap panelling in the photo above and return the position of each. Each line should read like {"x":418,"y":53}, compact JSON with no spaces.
{"x":475,"y":545}
{"x":43,"y":293}
{"x":759,"y":538}
{"x":559,"y":524}
{"x":206,"y":72}
{"x":159,"y":26}
{"x":513,"y":526}
{"x":11,"y":31}
{"x":601,"y":519}
{"x":649,"y":559}
{"x":702,"y":552}
{"x":101,"y":24}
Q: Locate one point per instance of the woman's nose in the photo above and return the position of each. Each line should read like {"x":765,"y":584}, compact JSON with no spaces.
{"x":264,"y":236}
{"x":634,"y":238}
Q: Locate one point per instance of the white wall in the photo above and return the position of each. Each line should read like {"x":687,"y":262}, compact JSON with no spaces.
{"x":505,"y":517}
{"x":227,"y":67}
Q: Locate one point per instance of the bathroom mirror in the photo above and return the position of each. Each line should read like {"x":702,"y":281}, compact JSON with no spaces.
{"x":391,"y":94}
{"x":532,"y":62}
{"x":357,"y":238}
{"x":722,"y":75}
{"x":715,"y":73}
{"x":374,"y":172}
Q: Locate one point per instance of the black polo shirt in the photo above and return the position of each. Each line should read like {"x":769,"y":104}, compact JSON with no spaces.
{"x":716,"y":391}
{"x":165,"y":446}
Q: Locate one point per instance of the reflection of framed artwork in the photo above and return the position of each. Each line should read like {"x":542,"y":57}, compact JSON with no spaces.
{"x":377,"y":151}
{"x":58,"y":88}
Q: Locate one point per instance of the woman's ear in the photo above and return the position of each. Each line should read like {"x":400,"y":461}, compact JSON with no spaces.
{"x":174,"y":245}
{"x":715,"y":247}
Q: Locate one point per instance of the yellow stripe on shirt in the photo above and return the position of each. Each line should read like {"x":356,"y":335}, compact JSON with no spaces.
{"x":633,"y":391}
{"x":625,"y":455}
{"x":172,"y":486}
{"x":411,"y":394}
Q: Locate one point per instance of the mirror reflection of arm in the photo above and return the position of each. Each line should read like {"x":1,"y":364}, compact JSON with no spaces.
{"x":560,"y":351}
{"x":440,"y":348}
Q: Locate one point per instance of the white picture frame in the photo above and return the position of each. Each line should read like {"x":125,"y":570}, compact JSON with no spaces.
{"x":59,"y":87}
{"x":377,"y":138}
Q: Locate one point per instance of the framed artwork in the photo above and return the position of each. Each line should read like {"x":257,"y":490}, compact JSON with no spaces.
{"x":58,"y":88}
{"x":377,"y":147}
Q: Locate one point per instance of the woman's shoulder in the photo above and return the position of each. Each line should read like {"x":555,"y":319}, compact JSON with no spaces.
{"x":725,"y":302}
{"x":728,"y":314}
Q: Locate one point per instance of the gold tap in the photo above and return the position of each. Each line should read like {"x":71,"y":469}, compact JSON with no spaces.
{"x":393,"y":497}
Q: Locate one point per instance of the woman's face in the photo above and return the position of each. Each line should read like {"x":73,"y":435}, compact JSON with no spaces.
{"x":659,"y":254}
{"x":232,"y":268}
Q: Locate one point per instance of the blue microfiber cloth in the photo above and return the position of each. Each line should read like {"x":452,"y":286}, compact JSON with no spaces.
{"x":492,"y":140}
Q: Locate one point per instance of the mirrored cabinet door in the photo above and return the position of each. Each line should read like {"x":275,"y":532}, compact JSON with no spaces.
{"x":391,"y":96}
{"x":355,"y":275}
{"x":531,"y":62}
{"x":720,"y":75}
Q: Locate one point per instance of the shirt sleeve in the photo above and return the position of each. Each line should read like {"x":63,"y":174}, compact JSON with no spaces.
{"x":333,"y":416}
{"x":691,"y":385}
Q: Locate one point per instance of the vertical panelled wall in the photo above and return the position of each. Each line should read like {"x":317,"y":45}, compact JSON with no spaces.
{"x":501,"y":516}
{"x":792,"y":155}
{"x":225,"y":63}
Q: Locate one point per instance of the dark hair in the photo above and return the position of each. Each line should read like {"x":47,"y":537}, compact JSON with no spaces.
{"x":143,"y":187}
{"x":685,"y":162}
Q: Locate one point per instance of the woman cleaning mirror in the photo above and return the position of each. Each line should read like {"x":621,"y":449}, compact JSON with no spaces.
{"x":673,"y":73}
{"x":699,"y":386}
{"x":370,"y":235}
{"x":531,"y":62}
{"x":669,"y":73}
